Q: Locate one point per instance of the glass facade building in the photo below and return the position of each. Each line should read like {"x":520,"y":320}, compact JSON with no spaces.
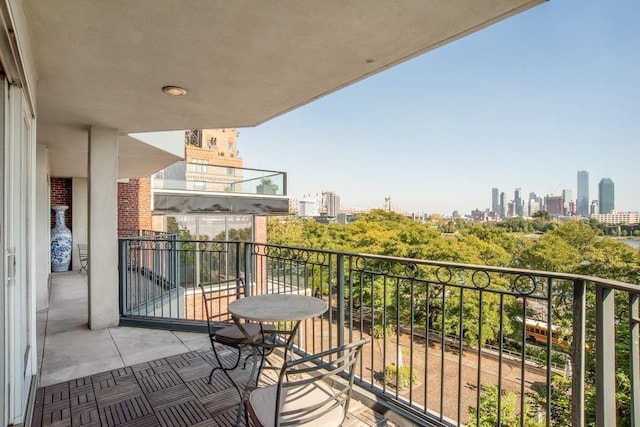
{"x":583,"y":194}
{"x":606,"y":196}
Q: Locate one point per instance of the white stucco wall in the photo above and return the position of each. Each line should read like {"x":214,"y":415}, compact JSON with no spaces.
{"x":43,"y":207}
{"x":80,"y":217}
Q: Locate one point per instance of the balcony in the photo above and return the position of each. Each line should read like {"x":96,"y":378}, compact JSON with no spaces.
{"x":462,"y":337}
{"x":122,"y":57}
{"x":202,"y":188}
{"x":133,"y":376}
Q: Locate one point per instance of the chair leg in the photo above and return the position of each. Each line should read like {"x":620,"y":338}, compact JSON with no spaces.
{"x":248,"y":356}
{"x":246,"y":414}
{"x":211,"y":374}
{"x":225,"y":370}
{"x":221,"y":366}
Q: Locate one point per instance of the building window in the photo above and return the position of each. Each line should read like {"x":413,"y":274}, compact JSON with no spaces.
{"x":193,"y":137}
{"x":199,"y":185}
{"x":231,"y":172}
{"x":230,"y":146}
{"x":199,"y":165}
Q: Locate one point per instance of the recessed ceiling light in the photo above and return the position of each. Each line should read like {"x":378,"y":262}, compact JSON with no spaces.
{"x":174,"y":90}
{"x":370,"y":61}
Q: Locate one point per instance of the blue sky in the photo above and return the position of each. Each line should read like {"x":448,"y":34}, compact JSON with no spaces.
{"x":525,"y":103}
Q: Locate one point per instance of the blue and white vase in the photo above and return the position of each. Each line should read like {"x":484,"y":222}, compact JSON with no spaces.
{"x":60,"y":242}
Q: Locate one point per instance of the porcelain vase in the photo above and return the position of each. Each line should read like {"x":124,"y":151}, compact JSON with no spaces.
{"x":60,"y":242}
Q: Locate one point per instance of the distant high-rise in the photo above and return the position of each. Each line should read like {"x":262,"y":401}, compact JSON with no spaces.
{"x":533,"y":206}
{"x":517,"y":202}
{"x":606,"y":196}
{"x":567,"y":198}
{"x":495,"y":200}
{"x":583,"y":193}
{"x":308,"y":208}
{"x":503,"y":205}
{"x":331,"y":203}
{"x":554,"y":205}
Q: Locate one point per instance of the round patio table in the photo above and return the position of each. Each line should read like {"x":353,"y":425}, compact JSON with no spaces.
{"x":272,"y":308}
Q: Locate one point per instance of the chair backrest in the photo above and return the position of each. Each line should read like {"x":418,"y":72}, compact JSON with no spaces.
{"x":83,"y":251}
{"x":216,"y":298}
{"x":325,"y":366}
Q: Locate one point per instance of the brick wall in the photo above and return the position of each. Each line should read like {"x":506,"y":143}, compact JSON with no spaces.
{"x":134,"y":205}
{"x":61,"y":195}
{"x":144,"y":204}
{"x":260,"y":229}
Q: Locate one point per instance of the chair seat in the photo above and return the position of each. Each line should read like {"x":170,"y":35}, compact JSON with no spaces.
{"x":232,"y":335}
{"x":263,"y":404}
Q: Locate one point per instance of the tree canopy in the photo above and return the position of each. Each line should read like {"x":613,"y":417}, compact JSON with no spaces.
{"x":579,"y":247}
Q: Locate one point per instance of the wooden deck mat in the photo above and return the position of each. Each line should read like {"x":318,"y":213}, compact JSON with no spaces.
{"x":168,"y":392}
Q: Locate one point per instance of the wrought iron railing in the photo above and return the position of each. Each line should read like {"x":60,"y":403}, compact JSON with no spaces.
{"x":444,"y":335}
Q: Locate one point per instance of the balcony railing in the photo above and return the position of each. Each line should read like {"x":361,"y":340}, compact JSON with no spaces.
{"x":220,"y":179}
{"x":444,"y":335}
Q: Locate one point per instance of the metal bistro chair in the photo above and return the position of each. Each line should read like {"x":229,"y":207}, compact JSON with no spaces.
{"x":305,"y":394}
{"x":221,"y":327}
{"x":83,"y":255}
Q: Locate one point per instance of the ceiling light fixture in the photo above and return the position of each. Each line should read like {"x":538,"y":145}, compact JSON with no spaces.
{"x":174,"y":90}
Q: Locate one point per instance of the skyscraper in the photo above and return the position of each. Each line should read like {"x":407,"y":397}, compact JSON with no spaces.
{"x":606,"y":196}
{"x":495,"y":200}
{"x":503,"y":205}
{"x":517,"y":201}
{"x":583,"y":194}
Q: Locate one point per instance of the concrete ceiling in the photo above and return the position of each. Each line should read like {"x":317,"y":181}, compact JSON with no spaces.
{"x":69,"y":150}
{"x":103,"y":63}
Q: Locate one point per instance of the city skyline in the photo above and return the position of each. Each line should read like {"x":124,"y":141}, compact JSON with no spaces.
{"x":572,"y":205}
{"x":496,"y":193}
{"x":496,"y":200}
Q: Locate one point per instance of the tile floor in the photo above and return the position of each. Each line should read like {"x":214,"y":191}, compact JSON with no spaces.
{"x":69,"y":349}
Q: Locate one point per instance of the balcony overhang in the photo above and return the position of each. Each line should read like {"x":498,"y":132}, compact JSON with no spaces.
{"x":104,"y":63}
{"x":137,"y":159}
{"x":68,"y":151}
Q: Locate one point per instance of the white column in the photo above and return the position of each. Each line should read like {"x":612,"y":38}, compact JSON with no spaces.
{"x":80,"y":218}
{"x":43,"y":227}
{"x":103,"y":228}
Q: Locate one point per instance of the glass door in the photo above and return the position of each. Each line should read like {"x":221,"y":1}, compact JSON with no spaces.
{"x":16,"y":237}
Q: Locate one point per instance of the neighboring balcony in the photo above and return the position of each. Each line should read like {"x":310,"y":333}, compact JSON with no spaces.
{"x":202,"y":188}
{"x":448,"y":341}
